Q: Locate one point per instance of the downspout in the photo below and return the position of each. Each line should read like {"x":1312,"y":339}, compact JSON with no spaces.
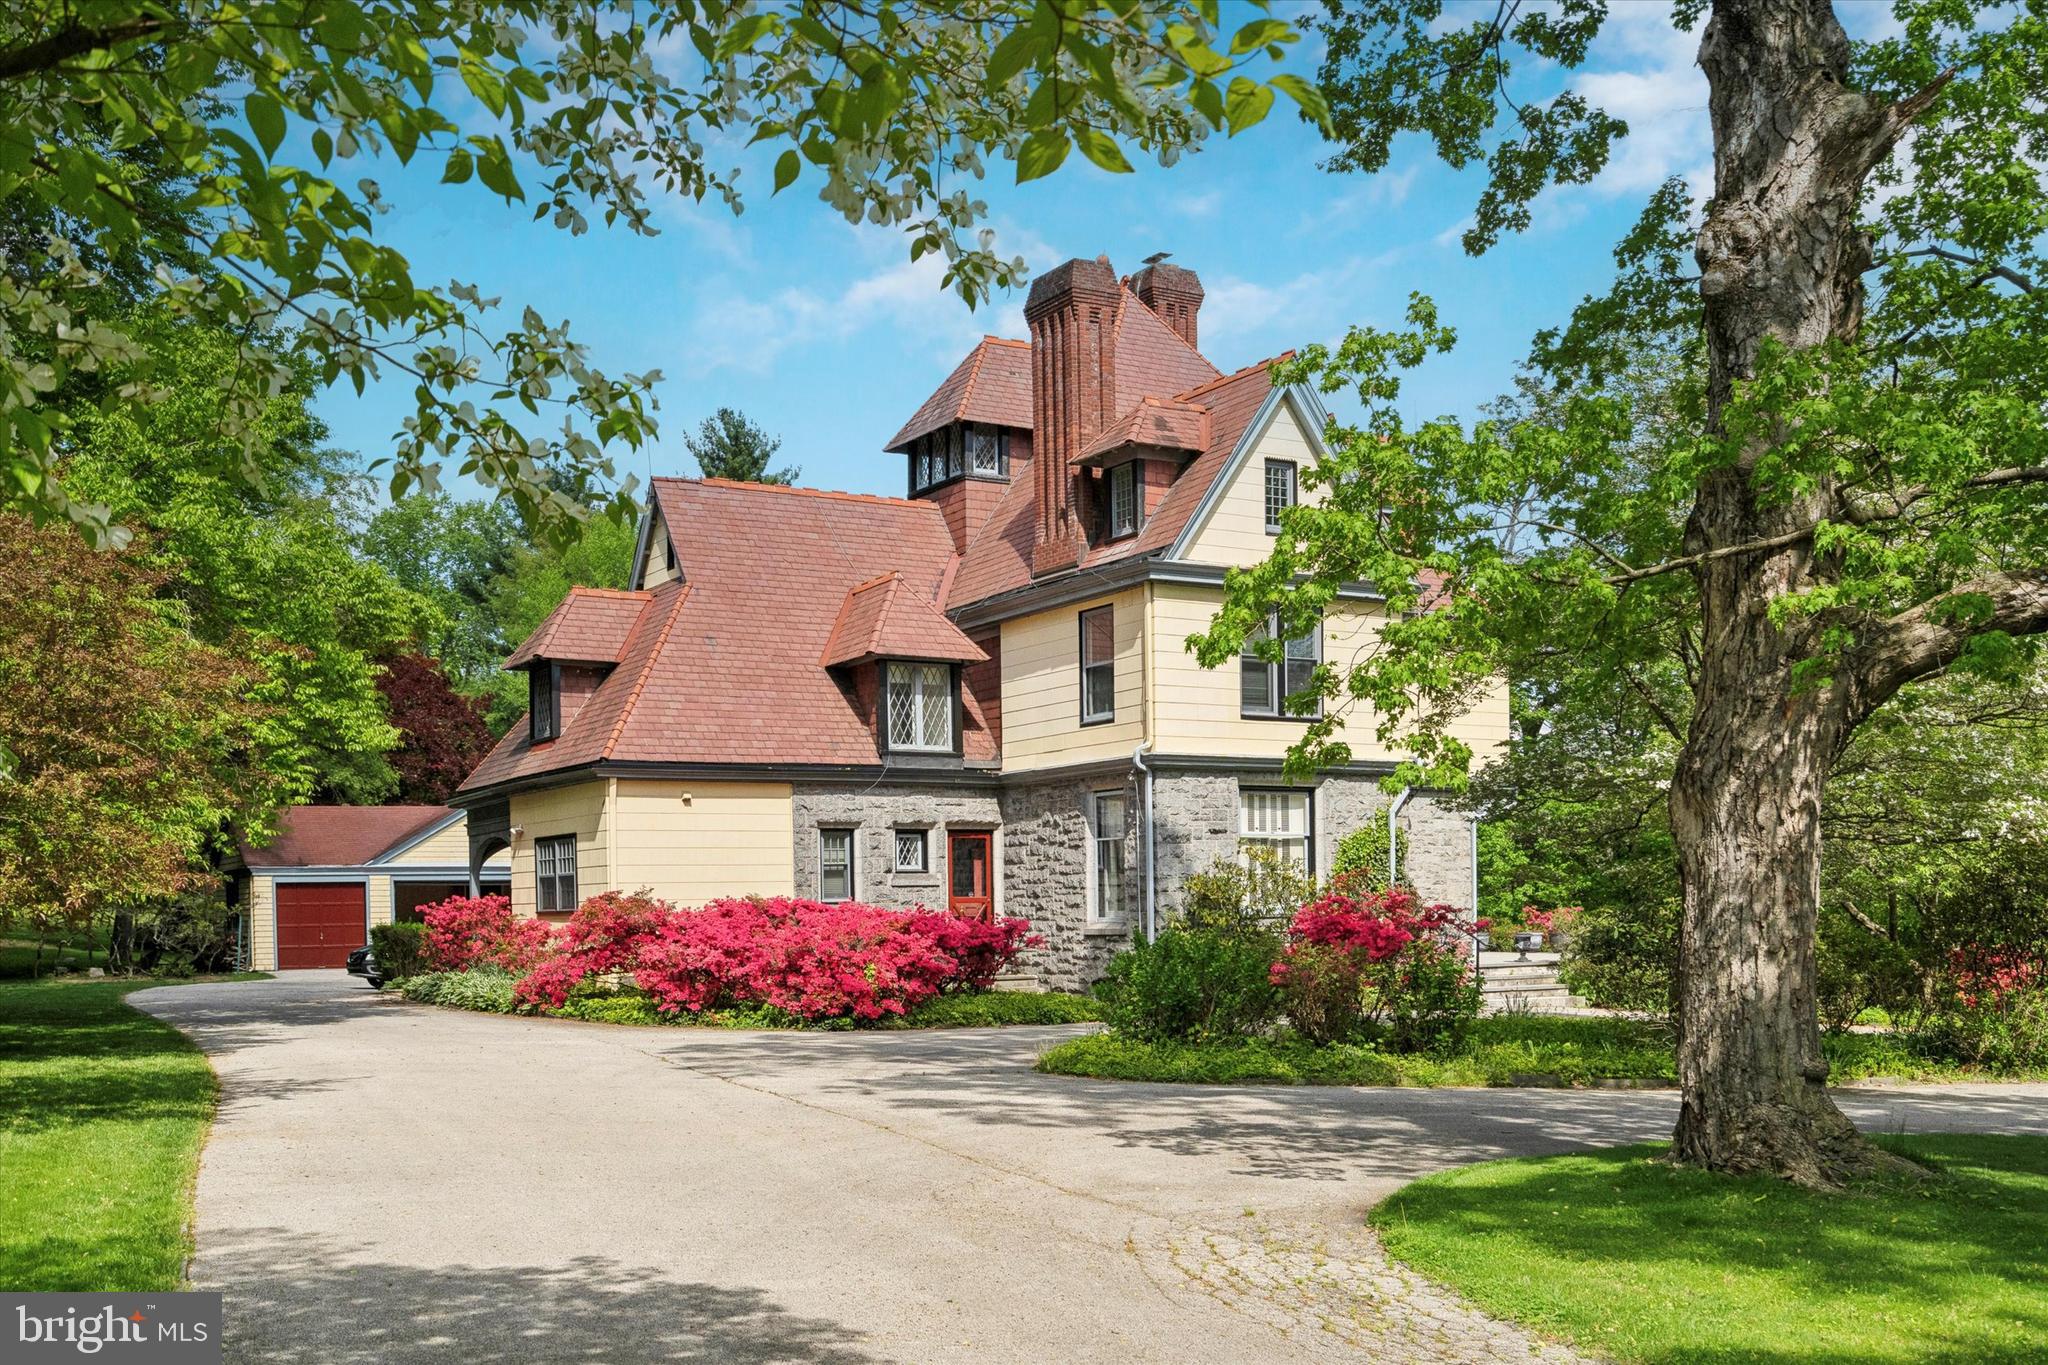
{"x":1474,"y":823}
{"x":1394,"y":838}
{"x":1151,"y":910}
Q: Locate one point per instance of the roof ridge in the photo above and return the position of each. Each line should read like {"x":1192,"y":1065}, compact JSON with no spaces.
{"x":1005,"y":341}
{"x":640,"y":683}
{"x":1268,"y":363}
{"x":973,"y":373}
{"x":801,"y":492}
{"x":642,"y":593}
{"x":863,"y":587}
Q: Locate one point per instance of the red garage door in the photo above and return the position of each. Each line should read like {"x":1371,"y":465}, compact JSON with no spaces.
{"x":319,"y":923}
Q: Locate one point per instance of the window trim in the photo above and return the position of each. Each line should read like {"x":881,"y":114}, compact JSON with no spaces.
{"x":1308,"y":836}
{"x":552,"y":672}
{"x":852,"y":863}
{"x":924,"y":848}
{"x":1096,"y":915}
{"x":1265,"y":492}
{"x":1110,"y":663}
{"x":552,"y":845}
{"x":954,"y":715}
{"x":929,"y":469}
{"x":1276,"y":675}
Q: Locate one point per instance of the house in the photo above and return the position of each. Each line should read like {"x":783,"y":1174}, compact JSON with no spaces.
{"x":976,"y":695}
{"x":310,"y":894}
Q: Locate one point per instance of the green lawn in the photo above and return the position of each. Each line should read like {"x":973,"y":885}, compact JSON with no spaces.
{"x":18,"y":958}
{"x":1504,"y":1049}
{"x":102,"y":1113}
{"x":1640,"y":1261}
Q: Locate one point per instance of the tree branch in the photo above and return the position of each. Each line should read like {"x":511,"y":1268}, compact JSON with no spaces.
{"x":1931,"y":636}
{"x":2003,"y":272}
{"x":74,"y":40}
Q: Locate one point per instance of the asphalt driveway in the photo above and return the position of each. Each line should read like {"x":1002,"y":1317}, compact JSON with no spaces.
{"x":395,"y":1183}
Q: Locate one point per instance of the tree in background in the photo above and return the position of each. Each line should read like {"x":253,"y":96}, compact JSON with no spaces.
{"x":535,"y":584}
{"x":442,"y":734}
{"x":728,"y":446}
{"x":454,"y":554}
{"x":1851,"y":504}
{"x":130,"y":739}
{"x":889,"y":110}
{"x":264,"y":565}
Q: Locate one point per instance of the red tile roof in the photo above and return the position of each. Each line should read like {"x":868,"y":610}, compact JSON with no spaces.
{"x":1151,"y":359}
{"x":590,"y":627}
{"x":998,"y":560}
{"x":884,"y":619}
{"x":1168,"y":424}
{"x":725,"y":668}
{"x":340,"y":836}
{"x":992,"y":385}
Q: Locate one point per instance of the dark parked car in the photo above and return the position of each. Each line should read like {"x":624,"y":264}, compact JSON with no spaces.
{"x":362,"y":962}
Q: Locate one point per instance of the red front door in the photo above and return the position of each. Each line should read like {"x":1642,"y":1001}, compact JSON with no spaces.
{"x":319,"y":923}
{"x":971,"y":878}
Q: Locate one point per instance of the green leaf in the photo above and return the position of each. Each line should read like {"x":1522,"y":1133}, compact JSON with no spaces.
{"x":786,"y":167}
{"x":1260,"y":32}
{"x":459,"y":168}
{"x":1012,"y":55}
{"x":744,"y":34}
{"x":1308,"y":96}
{"x":494,"y":168}
{"x":1245,"y":103}
{"x":266,"y":120}
{"x":1042,"y":154}
{"x":1100,"y":148}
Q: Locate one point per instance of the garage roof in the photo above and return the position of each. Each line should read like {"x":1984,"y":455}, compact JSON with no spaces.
{"x":342,"y":836}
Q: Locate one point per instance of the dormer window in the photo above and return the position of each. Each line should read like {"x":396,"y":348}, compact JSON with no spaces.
{"x":1123,"y":511}
{"x":961,"y":450}
{"x":918,"y":704}
{"x":543,"y":702}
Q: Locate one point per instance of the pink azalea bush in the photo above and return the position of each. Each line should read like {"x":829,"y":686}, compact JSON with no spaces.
{"x":471,"y":931}
{"x":805,"y":957}
{"x":1360,"y":962}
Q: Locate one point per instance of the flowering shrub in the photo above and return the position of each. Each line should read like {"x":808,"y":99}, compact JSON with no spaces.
{"x":810,"y":959}
{"x":1556,"y":922}
{"x":465,"y":931}
{"x":1365,"y":963}
{"x":1986,"y":979}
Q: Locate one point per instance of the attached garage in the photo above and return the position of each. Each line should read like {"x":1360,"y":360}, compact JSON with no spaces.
{"x":310,"y":895}
{"x":320,"y":923}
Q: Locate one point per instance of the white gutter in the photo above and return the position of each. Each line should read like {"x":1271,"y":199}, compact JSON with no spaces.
{"x":1151,"y":902}
{"x":1394,"y":838}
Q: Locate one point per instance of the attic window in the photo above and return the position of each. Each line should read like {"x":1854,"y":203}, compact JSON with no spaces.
{"x":1123,"y":500}
{"x":958,"y":451}
{"x":917,"y":706}
{"x":1279,"y":492}
{"x":543,"y":702}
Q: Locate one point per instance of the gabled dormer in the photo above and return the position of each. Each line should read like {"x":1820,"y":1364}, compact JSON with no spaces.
{"x":572,"y":652}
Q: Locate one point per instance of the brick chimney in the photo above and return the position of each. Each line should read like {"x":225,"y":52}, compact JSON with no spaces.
{"x":1173,"y":293}
{"x":1071,"y":312}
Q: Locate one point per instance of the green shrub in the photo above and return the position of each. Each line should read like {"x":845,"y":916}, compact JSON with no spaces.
{"x":1428,"y":1001}
{"x":1624,"y":958}
{"x":488,"y":989}
{"x":990,"y":1009}
{"x":400,"y":950}
{"x":2003,"y":1033}
{"x":1856,"y":970}
{"x":1324,"y":993}
{"x":1192,"y":984}
{"x":1365,"y":850}
{"x":1248,"y":896}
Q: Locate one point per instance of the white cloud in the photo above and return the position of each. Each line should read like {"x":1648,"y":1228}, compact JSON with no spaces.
{"x":1198,"y":205}
{"x":1645,"y":70}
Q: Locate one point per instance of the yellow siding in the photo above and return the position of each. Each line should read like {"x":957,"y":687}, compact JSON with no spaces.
{"x":1197,"y":708}
{"x":1041,"y":657}
{"x":262,"y":926}
{"x":1235,"y":529}
{"x":577,"y":810}
{"x":728,"y":839}
{"x":449,"y":848}
{"x":379,"y":896}
{"x":660,"y":564}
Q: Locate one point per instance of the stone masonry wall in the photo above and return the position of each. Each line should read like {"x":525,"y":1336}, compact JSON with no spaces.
{"x":875,"y":813}
{"x":1045,"y":858}
{"x":1196,"y":818}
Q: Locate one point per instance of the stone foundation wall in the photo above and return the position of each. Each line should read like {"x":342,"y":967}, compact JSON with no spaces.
{"x":1046,"y":861}
{"x":875,"y":813}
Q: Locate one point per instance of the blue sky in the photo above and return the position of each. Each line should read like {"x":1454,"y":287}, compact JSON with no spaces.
{"x":829,"y":337}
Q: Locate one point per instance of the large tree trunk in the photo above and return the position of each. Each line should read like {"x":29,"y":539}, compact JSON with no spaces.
{"x":1781,"y":261}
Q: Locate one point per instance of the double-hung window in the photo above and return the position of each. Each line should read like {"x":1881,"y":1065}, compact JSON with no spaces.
{"x":1123,"y":500}
{"x":1279,"y":492}
{"x":554,"y":874}
{"x":1264,"y":685}
{"x":835,"y":864}
{"x":913,"y":850}
{"x":918,"y":709}
{"x":1098,"y":665}
{"x":1107,"y":826}
{"x":1278,"y":820}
